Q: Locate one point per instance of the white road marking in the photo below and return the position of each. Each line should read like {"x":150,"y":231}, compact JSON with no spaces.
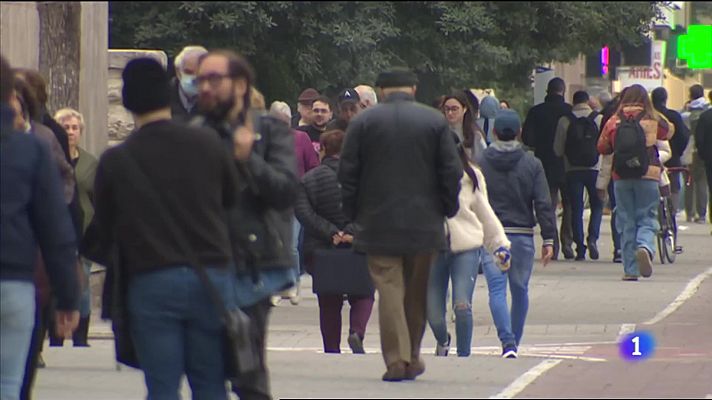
{"x":686,"y":294}
{"x":526,"y":379}
{"x":625,"y":329}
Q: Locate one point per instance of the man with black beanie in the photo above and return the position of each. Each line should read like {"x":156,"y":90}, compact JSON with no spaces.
{"x":400,"y":178}
{"x":166,"y":214}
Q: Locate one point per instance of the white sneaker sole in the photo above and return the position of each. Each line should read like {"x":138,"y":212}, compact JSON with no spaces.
{"x":644,"y":264}
{"x":510,"y":354}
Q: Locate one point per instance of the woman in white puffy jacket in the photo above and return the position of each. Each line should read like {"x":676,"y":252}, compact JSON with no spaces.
{"x":473,"y":230}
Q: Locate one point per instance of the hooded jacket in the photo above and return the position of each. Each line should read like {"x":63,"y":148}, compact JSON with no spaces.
{"x":517,"y":188}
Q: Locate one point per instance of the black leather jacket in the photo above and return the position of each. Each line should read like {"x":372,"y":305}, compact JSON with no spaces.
{"x":261,"y":223}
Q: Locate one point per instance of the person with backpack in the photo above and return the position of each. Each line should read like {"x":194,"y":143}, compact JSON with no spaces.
{"x":630,"y":135}
{"x":576,"y":140}
{"x":696,"y":196}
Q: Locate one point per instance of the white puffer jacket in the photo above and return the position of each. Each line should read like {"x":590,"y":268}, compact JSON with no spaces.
{"x":475,"y":224}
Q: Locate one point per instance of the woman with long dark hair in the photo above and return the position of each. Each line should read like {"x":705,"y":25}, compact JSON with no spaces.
{"x":636,"y":197}
{"x":460,"y":109}
{"x":473,"y":230}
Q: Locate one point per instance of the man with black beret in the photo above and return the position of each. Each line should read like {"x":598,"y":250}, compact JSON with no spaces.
{"x":400,"y":176}
{"x":161,"y":197}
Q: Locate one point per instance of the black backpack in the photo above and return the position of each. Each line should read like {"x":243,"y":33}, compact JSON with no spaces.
{"x":630,"y":154}
{"x":582,"y":140}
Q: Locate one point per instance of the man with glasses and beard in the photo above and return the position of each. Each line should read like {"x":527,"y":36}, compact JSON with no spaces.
{"x":321,"y":115}
{"x":261,"y":223}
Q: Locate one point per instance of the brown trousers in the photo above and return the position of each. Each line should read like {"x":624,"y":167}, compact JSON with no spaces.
{"x":402,"y":285}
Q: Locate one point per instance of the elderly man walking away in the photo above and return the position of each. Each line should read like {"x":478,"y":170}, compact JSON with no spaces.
{"x":400,"y":176}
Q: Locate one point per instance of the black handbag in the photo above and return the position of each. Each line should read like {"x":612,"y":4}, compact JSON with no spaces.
{"x":241,"y":357}
{"x":341,"y":271}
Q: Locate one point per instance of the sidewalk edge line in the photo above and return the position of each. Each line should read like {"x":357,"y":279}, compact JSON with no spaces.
{"x":526,"y":379}
{"x":685,"y":295}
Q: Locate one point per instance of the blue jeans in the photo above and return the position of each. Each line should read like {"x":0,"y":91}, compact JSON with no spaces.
{"x":576,"y":182}
{"x":614,"y":229}
{"x":17,"y":318}
{"x":296,"y":230}
{"x":518,"y":276}
{"x":637,"y":203}
{"x":497,"y":287}
{"x":177,"y":329}
{"x":85,"y":300}
{"x":462,"y":269}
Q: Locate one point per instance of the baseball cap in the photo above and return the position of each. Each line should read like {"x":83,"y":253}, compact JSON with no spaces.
{"x":349,"y":95}
{"x":507,"y":124}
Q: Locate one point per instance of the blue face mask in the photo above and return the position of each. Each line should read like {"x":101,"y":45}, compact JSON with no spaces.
{"x":187,"y":83}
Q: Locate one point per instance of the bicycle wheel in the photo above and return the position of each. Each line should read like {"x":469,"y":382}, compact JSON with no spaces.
{"x":670,"y":237}
{"x":661,"y":233}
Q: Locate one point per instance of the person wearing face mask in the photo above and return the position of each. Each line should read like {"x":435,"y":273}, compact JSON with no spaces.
{"x":184,"y":90}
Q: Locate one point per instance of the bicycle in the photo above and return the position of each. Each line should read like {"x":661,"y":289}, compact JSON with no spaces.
{"x":667,"y":235}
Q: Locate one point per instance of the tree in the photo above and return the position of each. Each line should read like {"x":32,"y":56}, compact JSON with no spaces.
{"x":60,"y":52}
{"x":332,"y":45}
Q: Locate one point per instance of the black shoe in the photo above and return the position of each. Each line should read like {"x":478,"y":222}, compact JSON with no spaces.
{"x":617,"y":257}
{"x":356,"y":343}
{"x":81,"y":335}
{"x":568,"y":252}
{"x":593,"y":250}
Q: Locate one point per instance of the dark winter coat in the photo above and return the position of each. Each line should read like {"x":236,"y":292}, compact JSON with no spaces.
{"x":178,"y":111}
{"x":703,"y":136}
{"x":261,"y":223}
{"x":34,"y":214}
{"x":679,"y":139}
{"x":539,"y":131}
{"x":319,"y":207}
{"x":400,"y":175}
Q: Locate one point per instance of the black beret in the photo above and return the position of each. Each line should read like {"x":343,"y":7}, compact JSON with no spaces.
{"x":397,"y":77}
{"x":146,"y":86}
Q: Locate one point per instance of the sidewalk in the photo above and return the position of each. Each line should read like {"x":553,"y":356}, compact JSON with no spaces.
{"x":680,"y":368}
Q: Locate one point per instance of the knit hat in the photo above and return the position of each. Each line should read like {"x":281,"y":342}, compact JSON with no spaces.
{"x":146,"y":86}
{"x":396,"y":77}
{"x":489,"y":107}
{"x":507,"y":124}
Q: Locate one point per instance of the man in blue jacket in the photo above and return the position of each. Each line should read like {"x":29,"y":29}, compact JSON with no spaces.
{"x":33,"y":213}
{"x":517,"y":187}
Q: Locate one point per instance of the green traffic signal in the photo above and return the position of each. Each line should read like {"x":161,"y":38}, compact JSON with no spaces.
{"x":696,"y":46}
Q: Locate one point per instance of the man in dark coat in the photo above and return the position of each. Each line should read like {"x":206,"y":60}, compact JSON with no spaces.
{"x":184,"y":90}
{"x":678,"y":143}
{"x":261,"y":224}
{"x":538,"y":132}
{"x":703,"y":139}
{"x":400,"y":176}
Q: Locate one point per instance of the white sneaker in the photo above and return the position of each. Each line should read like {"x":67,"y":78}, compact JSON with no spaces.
{"x":275,"y":300}
{"x":443,"y":350}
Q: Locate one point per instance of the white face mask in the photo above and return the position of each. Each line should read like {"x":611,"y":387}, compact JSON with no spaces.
{"x":187,"y":83}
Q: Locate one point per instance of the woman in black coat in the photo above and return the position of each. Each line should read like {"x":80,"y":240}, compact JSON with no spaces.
{"x":319,"y":210}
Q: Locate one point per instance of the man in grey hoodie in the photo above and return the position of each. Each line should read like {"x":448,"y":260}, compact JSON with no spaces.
{"x":517,"y":187}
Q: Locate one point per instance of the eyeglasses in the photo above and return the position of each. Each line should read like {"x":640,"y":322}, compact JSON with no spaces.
{"x":213,"y":80}
{"x":451,"y":109}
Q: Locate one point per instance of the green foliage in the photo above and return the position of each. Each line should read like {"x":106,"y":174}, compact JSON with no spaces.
{"x":332,"y":45}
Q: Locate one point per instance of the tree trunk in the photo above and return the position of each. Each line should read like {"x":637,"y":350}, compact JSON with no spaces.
{"x":60,"y":51}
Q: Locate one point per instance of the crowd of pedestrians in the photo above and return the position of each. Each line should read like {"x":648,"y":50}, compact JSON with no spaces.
{"x":217,"y":205}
